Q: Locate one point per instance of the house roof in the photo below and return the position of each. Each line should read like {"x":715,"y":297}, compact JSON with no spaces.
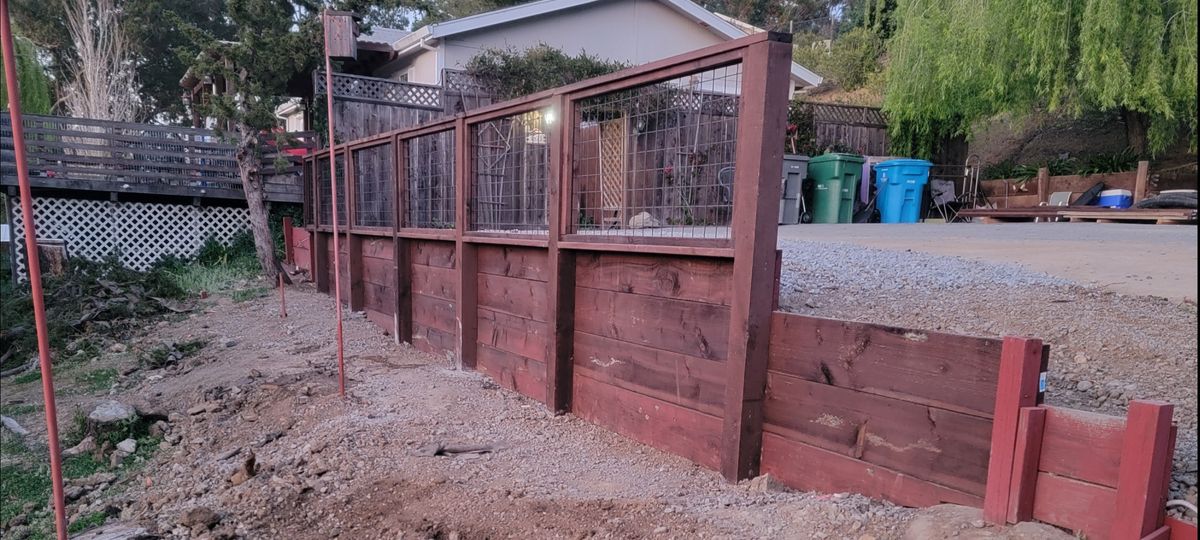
{"x":382,"y":35}
{"x":721,"y":25}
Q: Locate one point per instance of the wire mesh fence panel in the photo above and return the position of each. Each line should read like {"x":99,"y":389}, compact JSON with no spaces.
{"x":658,"y":159}
{"x":431,"y":181}
{"x":510,"y":158}
{"x":374,"y":186}
{"x":325,"y":206}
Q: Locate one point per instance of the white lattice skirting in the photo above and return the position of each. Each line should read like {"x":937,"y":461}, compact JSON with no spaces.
{"x":138,"y":233}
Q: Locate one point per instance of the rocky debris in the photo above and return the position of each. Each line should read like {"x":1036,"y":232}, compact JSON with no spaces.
{"x":246,"y":471}
{"x":87,"y":445}
{"x":128,"y":446}
{"x":110,"y":412}
{"x":117,"y":348}
{"x":765,"y":484}
{"x":13,"y":426}
{"x":199,"y":518}
{"x":946,"y":521}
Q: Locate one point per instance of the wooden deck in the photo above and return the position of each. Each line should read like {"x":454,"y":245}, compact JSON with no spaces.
{"x":1084,"y":214}
{"x":79,"y":154}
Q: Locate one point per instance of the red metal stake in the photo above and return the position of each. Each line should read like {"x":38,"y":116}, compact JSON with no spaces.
{"x":33,"y":266}
{"x":337,"y":259}
{"x":282,"y":299}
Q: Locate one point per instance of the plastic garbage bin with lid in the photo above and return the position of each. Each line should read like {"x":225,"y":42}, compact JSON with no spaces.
{"x":900,"y":183}
{"x":791,"y":205}
{"x":835,"y":178}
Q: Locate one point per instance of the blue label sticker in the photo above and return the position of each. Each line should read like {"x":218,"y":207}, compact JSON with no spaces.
{"x":1042,"y":382}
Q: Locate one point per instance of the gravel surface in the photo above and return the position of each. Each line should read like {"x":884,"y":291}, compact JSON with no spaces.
{"x":1106,"y":348}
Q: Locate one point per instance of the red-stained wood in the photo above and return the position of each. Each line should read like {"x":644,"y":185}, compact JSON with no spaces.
{"x":560,"y":264}
{"x":670,"y":428}
{"x":322,"y":274}
{"x":1082,"y":445}
{"x":889,"y":361}
{"x":466,"y":262}
{"x":518,"y":373}
{"x":354,"y":265}
{"x":761,"y":122}
{"x":434,"y":313}
{"x":1146,"y":455}
{"x":383,"y":320}
{"x":433,"y":341}
{"x":379,"y":298}
{"x":584,"y":243}
{"x":1180,"y":529}
{"x":690,"y":328}
{"x":1079,"y":506}
{"x":685,"y":278}
{"x":510,"y":333}
{"x":925,"y":443}
{"x":289,"y":248}
{"x":432,"y":253}
{"x":1163,"y":533}
{"x":684,"y":380}
{"x":809,"y":468}
{"x":403,"y":270}
{"x":434,"y":281}
{"x":379,"y":271}
{"x":376,"y":247}
{"x":1021,"y":361}
{"x":520,"y":297}
{"x":1030,"y":427}
{"x":514,"y":262}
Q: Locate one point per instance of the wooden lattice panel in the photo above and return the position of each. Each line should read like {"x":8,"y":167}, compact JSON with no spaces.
{"x":380,"y":90}
{"x":139,"y":233}
{"x":613,"y":135}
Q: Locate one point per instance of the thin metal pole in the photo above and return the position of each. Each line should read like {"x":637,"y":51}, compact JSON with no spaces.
{"x":33,"y":266}
{"x":337,"y":252}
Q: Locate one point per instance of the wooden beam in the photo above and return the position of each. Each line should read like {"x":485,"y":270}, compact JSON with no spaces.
{"x":1030,"y":426}
{"x":1043,"y":185}
{"x":1020,"y":370}
{"x":560,"y":316}
{"x":759,"y":157}
{"x":289,"y":251}
{"x":354,"y":264}
{"x":466,"y":306}
{"x":1142,"y":183}
{"x":1145,"y":456}
{"x":401,"y":259}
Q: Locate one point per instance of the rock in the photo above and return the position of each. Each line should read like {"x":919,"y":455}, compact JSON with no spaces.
{"x":228,"y":342}
{"x":117,"y":348}
{"x":1084,"y":386}
{"x":765,"y":484}
{"x":88,"y":444}
{"x":200,"y":516}
{"x":644,"y":220}
{"x":111,"y":412}
{"x":18,"y":520}
{"x":19,"y":533}
{"x":197,"y":409}
{"x":128,"y":446}
{"x":159,"y":428}
{"x":946,"y":521}
{"x":1081,"y":358}
{"x":115,"y":459}
{"x":245,"y":472}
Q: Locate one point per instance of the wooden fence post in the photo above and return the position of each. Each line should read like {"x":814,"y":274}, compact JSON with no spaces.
{"x":321,"y":260}
{"x":1142,"y":181}
{"x":561,"y":265}
{"x":1043,"y":185}
{"x":289,"y":250}
{"x":465,"y":262}
{"x":1145,"y":456}
{"x":1018,"y":386}
{"x":354,"y":263}
{"x":401,"y":264}
{"x":759,"y":158}
{"x":1031,"y":425}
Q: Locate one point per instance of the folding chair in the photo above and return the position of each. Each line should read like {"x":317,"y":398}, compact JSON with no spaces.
{"x":943,"y":199}
{"x":1058,"y":198}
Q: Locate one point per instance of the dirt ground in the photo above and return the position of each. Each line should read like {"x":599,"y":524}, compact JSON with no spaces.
{"x":1143,"y":260}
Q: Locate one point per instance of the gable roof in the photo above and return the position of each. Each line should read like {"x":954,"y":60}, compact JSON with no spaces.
{"x":721,"y":25}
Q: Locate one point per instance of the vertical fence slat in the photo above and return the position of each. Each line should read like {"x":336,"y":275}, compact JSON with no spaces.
{"x":1020,"y":368}
{"x":561,"y":264}
{"x":1145,"y":456}
{"x":465,"y":307}
{"x":1030,"y":426}
{"x":401,"y":264}
{"x":758,"y":158}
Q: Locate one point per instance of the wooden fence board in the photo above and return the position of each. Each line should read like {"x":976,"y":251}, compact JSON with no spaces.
{"x":380,"y":298}
{"x":379,"y":271}
{"x":513,"y":334}
{"x":1075,"y":505}
{"x":432,"y":253}
{"x":1082,"y":445}
{"x":434,"y":281}
{"x":696,"y":279}
{"x":431,"y":340}
{"x":671,"y":428}
{"x":922,"y":442}
{"x":810,"y":468}
{"x":378,"y":248}
{"x":520,"y":297}
{"x":515,"y":372}
{"x":690,"y":328}
{"x":434,"y":313}
{"x":889,"y":361}
{"x":684,"y":380}
{"x":514,"y":262}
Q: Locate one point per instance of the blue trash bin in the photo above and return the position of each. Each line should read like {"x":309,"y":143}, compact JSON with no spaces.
{"x":900,"y":183}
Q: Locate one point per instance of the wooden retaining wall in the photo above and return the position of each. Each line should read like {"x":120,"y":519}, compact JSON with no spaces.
{"x":673,"y":340}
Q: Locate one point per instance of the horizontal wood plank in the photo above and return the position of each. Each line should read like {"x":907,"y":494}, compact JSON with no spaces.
{"x":889,"y":361}
{"x":381,"y":298}
{"x":434,"y":313}
{"x":514,"y":262}
{"x":691,"y":328}
{"x":510,"y":333}
{"x":514,"y":372}
{"x":940,"y":446}
{"x":684,"y":380}
{"x":809,"y":468}
{"x":431,"y":340}
{"x":378,"y":248}
{"x":686,"y":278}
{"x":1082,"y":445}
{"x":521,"y":297}
{"x":379,"y":271}
{"x":432,"y":253}
{"x":434,"y":281}
{"x":1079,"y":506}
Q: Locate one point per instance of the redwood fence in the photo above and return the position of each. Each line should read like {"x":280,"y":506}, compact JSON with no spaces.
{"x":471,"y":238}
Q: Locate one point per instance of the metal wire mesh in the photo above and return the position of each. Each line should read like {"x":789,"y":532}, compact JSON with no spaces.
{"x":658,"y":160}
{"x":325,"y":206}
{"x":374,"y":186}
{"x":431,"y":181}
{"x":510,"y":159}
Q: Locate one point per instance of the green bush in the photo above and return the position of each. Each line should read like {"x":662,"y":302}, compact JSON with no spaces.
{"x":512,"y":73}
{"x":851,"y":60}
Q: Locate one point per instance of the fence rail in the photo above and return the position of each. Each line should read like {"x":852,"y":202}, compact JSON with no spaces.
{"x":98,"y":155}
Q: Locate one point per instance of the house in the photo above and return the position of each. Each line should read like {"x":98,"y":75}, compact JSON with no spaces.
{"x":629,"y":31}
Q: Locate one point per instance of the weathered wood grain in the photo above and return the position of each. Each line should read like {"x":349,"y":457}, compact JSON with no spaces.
{"x":684,"y":380}
{"x":1079,"y":506}
{"x":1082,"y":445}
{"x":685,"y":278}
{"x":515,"y":372}
{"x":432,"y":253}
{"x":520,"y":297}
{"x":510,"y":333}
{"x":514,"y":262}
{"x":690,"y":328}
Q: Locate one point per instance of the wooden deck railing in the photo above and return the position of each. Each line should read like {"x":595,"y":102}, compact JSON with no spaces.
{"x":376,"y":90}
{"x":97,"y":155}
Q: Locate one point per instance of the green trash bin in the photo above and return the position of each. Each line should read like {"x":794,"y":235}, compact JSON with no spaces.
{"x":835,"y":177}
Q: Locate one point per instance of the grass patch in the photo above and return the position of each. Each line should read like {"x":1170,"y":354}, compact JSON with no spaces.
{"x":34,"y":375}
{"x":97,"y":380}
{"x":17,"y":409}
{"x":245,"y":295}
{"x":217,"y":267}
{"x":90,"y":521}
{"x":21,"y":484}
{"x":81,"y":466}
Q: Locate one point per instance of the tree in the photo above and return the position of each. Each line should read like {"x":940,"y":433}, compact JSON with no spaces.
{"x":35,"y":86}
{"x":511,"y":73}
{"x":103,"y":83}
{"x":954,"y":62}
{"x":273,"y":42}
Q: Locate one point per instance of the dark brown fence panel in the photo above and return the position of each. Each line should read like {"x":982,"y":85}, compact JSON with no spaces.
{"x":513,"y":305}
{"x":433,"y":296}
{"x":379,"y":280}
{"x":845,"y":398}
